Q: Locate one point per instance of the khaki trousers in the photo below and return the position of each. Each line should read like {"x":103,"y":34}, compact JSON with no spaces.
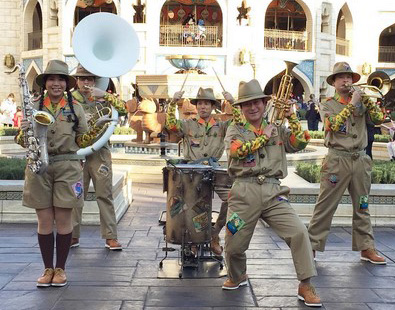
{"x":223,"y":193}
{"x":98,"y":168}
{"x":339,"y":173}
{"x":252,"y":201}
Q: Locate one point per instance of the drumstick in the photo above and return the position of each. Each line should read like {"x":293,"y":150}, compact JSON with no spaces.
{"x":184,"y":81}
{"x":223,"y":88}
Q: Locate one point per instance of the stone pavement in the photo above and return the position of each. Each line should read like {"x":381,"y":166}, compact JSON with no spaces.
{"x":127,"y":280}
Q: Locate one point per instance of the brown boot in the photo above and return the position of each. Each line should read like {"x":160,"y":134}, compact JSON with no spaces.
{"x":75,"y":242}
{"x":59,"y":278}
{"x":370,"y":255}
{"x":307,"y":293}
{"x":230,"y":285}
{"x":46,"y":279}
{"x":216,"y":248}
{"x":113,"y":244}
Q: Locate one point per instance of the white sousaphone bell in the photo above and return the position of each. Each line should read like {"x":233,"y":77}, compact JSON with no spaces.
{"x":106,"y":45}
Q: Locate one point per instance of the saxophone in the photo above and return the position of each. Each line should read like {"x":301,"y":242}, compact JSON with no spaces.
{"x":280,"y":102}
{"x":35,"y":137}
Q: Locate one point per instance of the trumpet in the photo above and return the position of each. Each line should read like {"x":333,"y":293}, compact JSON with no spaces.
{"x":377,"y":85}
{"x":280,"y":104}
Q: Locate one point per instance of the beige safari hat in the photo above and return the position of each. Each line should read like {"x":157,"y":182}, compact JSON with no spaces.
{"x":342,"y":67}
{"x":56,"y":67}
{"x":249,"y":91}
{"x":81,"y":71}
{"x":205,"y":94}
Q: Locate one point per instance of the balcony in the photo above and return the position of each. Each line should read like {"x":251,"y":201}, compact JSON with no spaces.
{"x":386,"y":53}
{"x":286,"y":40}
{"x":342,"y":46}
{"x":190,"y":35}
{"x":35,"y":40}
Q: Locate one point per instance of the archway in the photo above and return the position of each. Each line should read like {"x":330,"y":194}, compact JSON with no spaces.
{"x":33,"y":25}
{"x":191,"y":23}
{"x":387,"y":44}
{"x":288,"y":25}
{"x":82,"y":10}
{"x":344,"y":31}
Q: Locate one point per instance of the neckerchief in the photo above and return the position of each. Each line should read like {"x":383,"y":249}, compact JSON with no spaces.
{"x":340,"y":99}
{"x":257,"y":131}
{"x":53,"y":108}
{"x":211,"y":122}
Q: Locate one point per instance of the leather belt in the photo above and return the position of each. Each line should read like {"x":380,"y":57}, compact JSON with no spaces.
{"x":260,"y":179}
{"x":353,"y":155}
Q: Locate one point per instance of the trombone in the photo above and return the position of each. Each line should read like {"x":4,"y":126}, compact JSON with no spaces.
{"x":377,"y":85}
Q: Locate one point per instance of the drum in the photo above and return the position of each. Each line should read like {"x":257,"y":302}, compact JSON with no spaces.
{"x":189,"y":203}
{"x":222,"y":178}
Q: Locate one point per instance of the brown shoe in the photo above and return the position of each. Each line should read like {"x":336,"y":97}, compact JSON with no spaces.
{"x":75,"y":242}
{"x":307,"y":293}
{"x":370,"y":255}
{"x":230,"y":285}
{"x":59,"y":278}
{"x":215,"y":247}
{"x":113,"y":244}
{"x":46,"y":279}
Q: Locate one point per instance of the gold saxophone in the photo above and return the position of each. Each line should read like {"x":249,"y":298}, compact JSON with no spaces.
{"x":280,"y":103}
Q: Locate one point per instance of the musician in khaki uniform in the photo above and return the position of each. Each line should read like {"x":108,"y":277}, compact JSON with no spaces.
{"x":58,"y":189}
{"x":98,"y":165}
{"x":256,"y":158}
{"x":203,"y":138}
{"x":346,"y":166}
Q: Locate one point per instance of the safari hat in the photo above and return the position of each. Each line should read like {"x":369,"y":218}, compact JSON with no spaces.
{"x":81,"y":71}
{"x":249,"y":91}
{"x":56,"y":67}
{"x":342,"y":67}
{"x":205,"y":94}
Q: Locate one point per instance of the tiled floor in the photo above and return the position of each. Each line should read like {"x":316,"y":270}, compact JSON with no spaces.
{"x":104,"y":280}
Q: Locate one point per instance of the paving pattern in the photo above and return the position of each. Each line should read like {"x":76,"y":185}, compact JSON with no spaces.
{"x":127,"y":280}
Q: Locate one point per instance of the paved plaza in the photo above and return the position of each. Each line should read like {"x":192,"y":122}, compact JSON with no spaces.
{"x":127,"y":280}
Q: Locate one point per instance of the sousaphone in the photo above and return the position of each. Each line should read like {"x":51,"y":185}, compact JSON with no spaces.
{"x":106,"y":45}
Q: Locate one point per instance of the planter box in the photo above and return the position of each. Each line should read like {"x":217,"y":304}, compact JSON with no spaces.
{"x":12,"y":211}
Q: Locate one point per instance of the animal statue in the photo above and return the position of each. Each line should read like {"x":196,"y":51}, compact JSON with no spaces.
{"x":135,"y":118}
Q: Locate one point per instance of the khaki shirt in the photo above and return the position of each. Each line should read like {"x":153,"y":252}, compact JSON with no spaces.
{"x":202,"y":139}
{"x":269,"y":160}
{"x":352,"y":135}
{"x":61,"y":136}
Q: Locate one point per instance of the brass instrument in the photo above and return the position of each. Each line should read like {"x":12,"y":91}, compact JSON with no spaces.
{"x":36,"y":136}
{"x":280,"y":103}
{"x":377,"y":85}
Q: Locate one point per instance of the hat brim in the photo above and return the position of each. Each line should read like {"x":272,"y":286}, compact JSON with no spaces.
{"x":214,"y":101}
{"x":84,"y":74}
{"x":243,"y":100}
{"x":331,"y":78}
{"x":40,"y":80}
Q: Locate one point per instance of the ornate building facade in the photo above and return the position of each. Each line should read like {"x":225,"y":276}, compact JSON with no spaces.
{"x":247,"y":37}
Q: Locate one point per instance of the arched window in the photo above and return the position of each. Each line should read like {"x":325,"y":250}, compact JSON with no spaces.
{"x":387,"y":44}
{"x":191,"y":23}
{"x":286,"y":26}
{"x":83,"y":10}
{"x":344,"y":31}
{"x":34,"y":26}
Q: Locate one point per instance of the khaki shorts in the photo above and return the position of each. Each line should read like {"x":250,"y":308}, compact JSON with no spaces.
{"x":60,"y":186}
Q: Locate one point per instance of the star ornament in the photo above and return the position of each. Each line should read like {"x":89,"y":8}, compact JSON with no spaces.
{"x":243,"y":11}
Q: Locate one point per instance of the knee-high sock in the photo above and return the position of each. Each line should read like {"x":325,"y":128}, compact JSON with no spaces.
{"x":46,"y":243}
{"x":62,"y":249}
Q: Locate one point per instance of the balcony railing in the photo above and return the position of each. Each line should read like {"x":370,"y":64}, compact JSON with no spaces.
{"x":34,"y":40}
{"x":286,"y":40}
{"x":386,"y":53}
{"x":342,"y":46}
{"x":190,"y":35}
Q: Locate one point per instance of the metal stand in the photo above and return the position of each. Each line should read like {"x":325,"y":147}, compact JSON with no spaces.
{"x":194,"y":260}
